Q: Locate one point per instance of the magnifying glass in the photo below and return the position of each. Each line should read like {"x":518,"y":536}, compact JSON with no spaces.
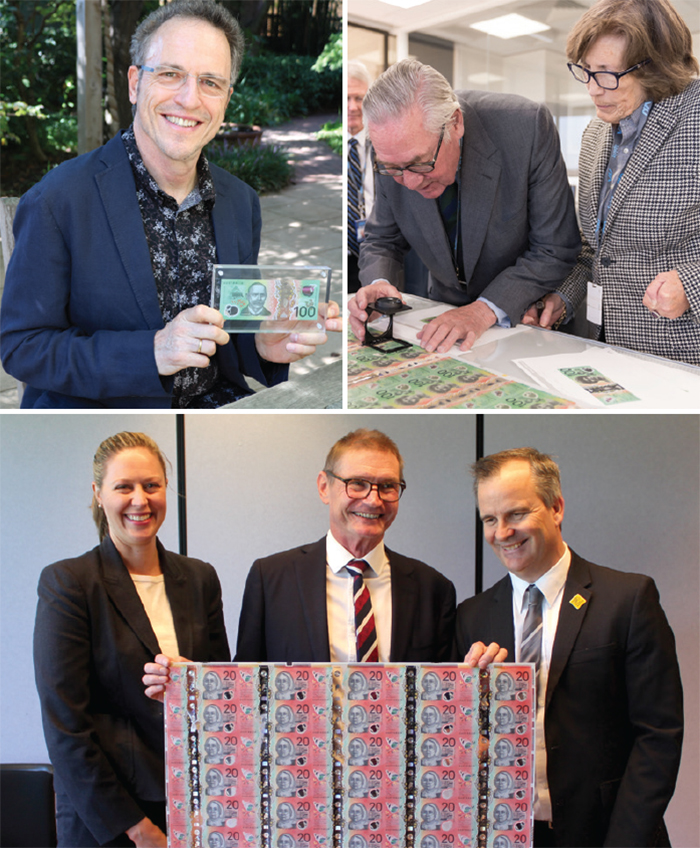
{"x":379,"y":340}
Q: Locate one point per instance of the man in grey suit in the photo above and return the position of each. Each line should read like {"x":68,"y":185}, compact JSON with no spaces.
{"x":503,"y":231}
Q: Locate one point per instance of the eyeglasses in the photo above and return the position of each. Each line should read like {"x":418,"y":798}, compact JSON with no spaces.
{"x":609,"y":80}
{"x":358,"y":489}
{"x":418,"y":168}
{"x":172,"y":78}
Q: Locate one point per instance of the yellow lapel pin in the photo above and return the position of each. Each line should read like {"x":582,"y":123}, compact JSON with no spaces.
{"x":577,"y":601}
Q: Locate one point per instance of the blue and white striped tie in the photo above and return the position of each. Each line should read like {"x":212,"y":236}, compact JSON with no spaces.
{"x":531,"y":643}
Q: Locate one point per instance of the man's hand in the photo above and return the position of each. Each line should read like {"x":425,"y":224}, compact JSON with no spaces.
{"x":358,"y":304}
{"x":552,"y":311}
{"x":481,"y":656}
{"x":157,"y":675}
{"x":145,"y":834}
{"x":665,"y":296}
{"x":290,"y":347}
{"x":189,"y":339}
{"x":465,"y":322}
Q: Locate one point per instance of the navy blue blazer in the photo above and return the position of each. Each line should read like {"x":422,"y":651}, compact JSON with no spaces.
{"x":91,"y":639}
{"x":613,"y":717}
{"x":80,"y":307}
{"x":284,"y":616}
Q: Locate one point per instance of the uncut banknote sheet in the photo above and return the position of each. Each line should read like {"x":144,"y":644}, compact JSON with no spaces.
{"x":416,"y":379}
{"x":270,"y":298}
{"x":349,"y":756}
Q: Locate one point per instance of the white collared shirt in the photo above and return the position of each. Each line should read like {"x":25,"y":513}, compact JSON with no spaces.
{"x":551,"y":584}
{"x":367,"y":170}
{"x":340,"y":605}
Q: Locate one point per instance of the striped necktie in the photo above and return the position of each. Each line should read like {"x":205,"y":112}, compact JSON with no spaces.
{"x":365,"y":630}
{"x":531,"y":643}
{"x":355,"y":202}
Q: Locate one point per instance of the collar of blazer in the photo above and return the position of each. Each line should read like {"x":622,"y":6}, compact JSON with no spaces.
{"x":571,"y":618}
{"x":311,"y":583}
{"x":122,"y":591}
{"x":662,"y":120}
{"x":117,"y":190}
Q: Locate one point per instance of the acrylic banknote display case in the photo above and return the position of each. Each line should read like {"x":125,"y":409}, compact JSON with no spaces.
{"x":271,"y":298}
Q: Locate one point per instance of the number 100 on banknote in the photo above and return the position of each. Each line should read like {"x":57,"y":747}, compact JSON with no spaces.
{"x":270,"y":298}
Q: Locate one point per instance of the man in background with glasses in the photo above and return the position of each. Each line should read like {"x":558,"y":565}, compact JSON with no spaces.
{"x":476,"y":184}
{"x":299,"y":605}
{"x":106,"y":298}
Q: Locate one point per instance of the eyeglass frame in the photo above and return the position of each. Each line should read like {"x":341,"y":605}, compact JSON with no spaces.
{"x":594,"y":74}
{"x":185,"y":75}
{"x":400,"y":171}
{"x":346,"y":480}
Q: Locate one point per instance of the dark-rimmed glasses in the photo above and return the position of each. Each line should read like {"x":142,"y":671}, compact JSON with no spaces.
{"x":174,"y":78}
{"x":418,"y":168}
{"x":357,"y":488}
{"x":609,"y":80}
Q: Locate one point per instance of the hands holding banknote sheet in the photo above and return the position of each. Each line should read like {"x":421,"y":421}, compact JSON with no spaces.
{"x":157,"y":674}
{"x":190,"y":339}
{"x":463,"y":324}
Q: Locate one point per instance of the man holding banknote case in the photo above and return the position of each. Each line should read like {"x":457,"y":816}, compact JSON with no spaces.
{"x":107,"y":292}
{"x":610,"y":705}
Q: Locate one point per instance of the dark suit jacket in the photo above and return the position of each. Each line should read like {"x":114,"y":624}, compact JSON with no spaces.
{"x":284,"y":616}
{"x":80,"y":306}
{"x":519,"y":233}
{"x":91,"y":640}
{"x":614,"y":704}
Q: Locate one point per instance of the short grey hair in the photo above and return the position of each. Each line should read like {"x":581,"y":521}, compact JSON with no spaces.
{"x":358,"y":71}
{"x":406,"y":84}
{"x":203,"y":10}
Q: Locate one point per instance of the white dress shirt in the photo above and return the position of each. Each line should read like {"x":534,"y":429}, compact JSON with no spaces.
{"x":340,"y":604}
{"x":551,"y":584}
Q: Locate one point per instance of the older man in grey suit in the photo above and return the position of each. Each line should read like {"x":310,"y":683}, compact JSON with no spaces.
{"x":503,"y":231}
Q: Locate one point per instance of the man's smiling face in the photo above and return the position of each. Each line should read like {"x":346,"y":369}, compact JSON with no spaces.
{"x":174,"y":125}
{"x":359,"y":524}
{"x":524,"y":533}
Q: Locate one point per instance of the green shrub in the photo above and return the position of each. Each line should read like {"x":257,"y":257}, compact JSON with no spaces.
{"x":273,"y":89}
{"x":263,"y":166}
{"x":332,"y":134}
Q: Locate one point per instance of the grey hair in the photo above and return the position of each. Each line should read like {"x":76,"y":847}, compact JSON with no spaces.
{"x":358,"y":71}
{"x":406,"y":84}
{"x":203,"y":10}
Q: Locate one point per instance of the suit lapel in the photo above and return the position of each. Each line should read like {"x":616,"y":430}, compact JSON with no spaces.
{"x":570,"y":620}
{"x":124,"y":596}
{"x":501,"y":617}
{"x":659,"y":125}
{"x":180,"y":598}
{"x":117,"y":191}
{"x":479,"y":185}
{"x":310,"y":573}
{"x":592,"y":173}
{"x":404,"y":596}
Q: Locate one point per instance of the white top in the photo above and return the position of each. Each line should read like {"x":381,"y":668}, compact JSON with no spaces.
{"x":551,"y":584}
{"x":151,"y":590}
{"x":340,"y":605}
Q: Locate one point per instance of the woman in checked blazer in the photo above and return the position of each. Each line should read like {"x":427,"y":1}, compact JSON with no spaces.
{"x":639,"y":181}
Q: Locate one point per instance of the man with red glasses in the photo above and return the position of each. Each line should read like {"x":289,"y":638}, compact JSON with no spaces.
{"x":476,"y":184}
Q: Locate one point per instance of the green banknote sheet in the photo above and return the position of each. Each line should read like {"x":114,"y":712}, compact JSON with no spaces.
{"x":416,"y":379}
